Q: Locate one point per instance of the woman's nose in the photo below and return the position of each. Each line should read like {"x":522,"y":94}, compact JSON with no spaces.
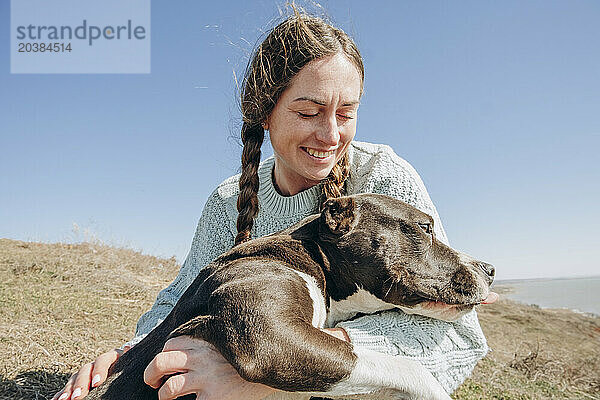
{"x":328,"y":131}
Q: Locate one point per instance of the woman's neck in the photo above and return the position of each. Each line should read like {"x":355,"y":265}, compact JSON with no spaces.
{"x":289,"y":184}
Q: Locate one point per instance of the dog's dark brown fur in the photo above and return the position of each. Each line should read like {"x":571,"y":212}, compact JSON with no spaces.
{"x":256,"y":310}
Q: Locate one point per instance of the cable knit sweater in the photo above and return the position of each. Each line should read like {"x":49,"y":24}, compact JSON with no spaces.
{"x":448,"y":349}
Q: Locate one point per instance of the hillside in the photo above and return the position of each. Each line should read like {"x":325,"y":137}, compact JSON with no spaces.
{"x":62,"y":304}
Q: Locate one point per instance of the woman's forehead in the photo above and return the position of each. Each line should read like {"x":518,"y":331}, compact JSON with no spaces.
{"x":326,"y":79}
{"x":320,"y":102}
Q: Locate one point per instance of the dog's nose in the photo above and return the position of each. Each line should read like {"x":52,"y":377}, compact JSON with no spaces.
{"x":487,"y":268}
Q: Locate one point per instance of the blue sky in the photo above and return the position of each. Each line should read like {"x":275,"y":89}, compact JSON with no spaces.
{"x":496,"y":104}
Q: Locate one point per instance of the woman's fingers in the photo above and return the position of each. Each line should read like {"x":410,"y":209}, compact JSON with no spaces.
{"x":179,"y":355}
{"x":193,"y":366}
{"x":164,"y":364}
{"x":101,"y":366}
{"x":176,"y":386}
{"x":94,"y":374}
{"x":81,"y":386}
{"x":66,"y":392}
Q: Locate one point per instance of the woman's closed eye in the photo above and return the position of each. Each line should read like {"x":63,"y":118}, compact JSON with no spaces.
{"x":309,"y":115}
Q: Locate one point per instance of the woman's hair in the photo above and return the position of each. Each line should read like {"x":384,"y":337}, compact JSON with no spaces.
{"x":298,"y":40}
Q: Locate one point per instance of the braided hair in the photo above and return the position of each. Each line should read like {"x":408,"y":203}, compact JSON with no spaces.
{"x":293,"y":43}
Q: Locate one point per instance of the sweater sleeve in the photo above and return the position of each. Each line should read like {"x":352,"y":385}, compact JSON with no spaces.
{"x":212,"y":238}
{"x":449,"y":350}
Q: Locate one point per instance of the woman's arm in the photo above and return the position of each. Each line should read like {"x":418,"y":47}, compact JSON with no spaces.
{"x":449,"y":350}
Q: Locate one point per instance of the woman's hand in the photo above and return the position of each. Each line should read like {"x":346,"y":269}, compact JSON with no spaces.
{"x":89,"y":376}
{"x":192,"y":366}
{"x":200,"y":368}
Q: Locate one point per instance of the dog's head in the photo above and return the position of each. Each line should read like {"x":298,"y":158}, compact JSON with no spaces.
{"x":389,"y":248}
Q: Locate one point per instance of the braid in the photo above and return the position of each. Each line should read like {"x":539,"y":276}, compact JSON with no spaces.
{"x":247,"y":202}
{"x":334,"y":184}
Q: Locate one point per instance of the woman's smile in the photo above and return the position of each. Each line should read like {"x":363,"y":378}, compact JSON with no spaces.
{"x":319,"y":155}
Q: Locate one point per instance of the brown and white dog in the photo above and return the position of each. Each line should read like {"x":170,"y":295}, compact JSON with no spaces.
{"x":362,"y":254}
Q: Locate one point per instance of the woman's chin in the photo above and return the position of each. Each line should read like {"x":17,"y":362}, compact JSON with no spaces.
{"x":317,"y":173}
{"x":318,"y":176}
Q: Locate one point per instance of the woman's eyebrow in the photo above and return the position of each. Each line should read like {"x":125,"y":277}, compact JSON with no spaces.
{"x":322,"y":103}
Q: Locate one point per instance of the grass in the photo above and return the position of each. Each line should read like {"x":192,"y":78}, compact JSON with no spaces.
{"x":63,"y":304}
{"x":536,"y":354}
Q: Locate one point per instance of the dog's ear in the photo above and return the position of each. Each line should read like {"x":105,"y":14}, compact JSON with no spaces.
{"x":337,"y":217}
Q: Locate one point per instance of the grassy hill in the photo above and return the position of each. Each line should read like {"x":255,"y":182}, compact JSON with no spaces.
{"x":62,"y":304}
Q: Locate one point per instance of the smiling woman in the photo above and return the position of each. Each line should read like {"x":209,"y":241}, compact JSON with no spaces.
{"x":303,"y":84}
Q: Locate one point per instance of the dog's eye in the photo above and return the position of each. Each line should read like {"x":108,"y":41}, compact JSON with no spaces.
{"x":426,"y":228}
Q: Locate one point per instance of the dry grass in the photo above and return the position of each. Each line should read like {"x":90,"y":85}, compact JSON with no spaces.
{"x":62,"y":304}
{"x":536,"y":354}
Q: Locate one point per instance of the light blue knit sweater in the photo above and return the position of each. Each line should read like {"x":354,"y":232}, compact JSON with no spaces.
{"x":448,"y":349}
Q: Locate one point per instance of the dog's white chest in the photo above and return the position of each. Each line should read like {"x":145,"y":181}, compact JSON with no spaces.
{"x":360,"y":302}
{"x":319,"y":307}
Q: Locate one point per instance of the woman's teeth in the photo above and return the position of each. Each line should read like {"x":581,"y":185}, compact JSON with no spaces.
{"x":319,"y":154}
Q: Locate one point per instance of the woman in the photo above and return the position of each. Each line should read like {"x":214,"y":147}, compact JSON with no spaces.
{"x":303,"y":86}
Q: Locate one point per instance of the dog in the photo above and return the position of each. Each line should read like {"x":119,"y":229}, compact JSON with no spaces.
{"x":361,"y":254}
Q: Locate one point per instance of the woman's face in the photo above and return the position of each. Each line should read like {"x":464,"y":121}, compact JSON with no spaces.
{"x":314,"y":122}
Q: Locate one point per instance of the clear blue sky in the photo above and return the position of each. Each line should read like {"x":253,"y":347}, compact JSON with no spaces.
{"x":496,"y":104}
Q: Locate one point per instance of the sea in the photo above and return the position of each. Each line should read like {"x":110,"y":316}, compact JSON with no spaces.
{"x":578,"y":294}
